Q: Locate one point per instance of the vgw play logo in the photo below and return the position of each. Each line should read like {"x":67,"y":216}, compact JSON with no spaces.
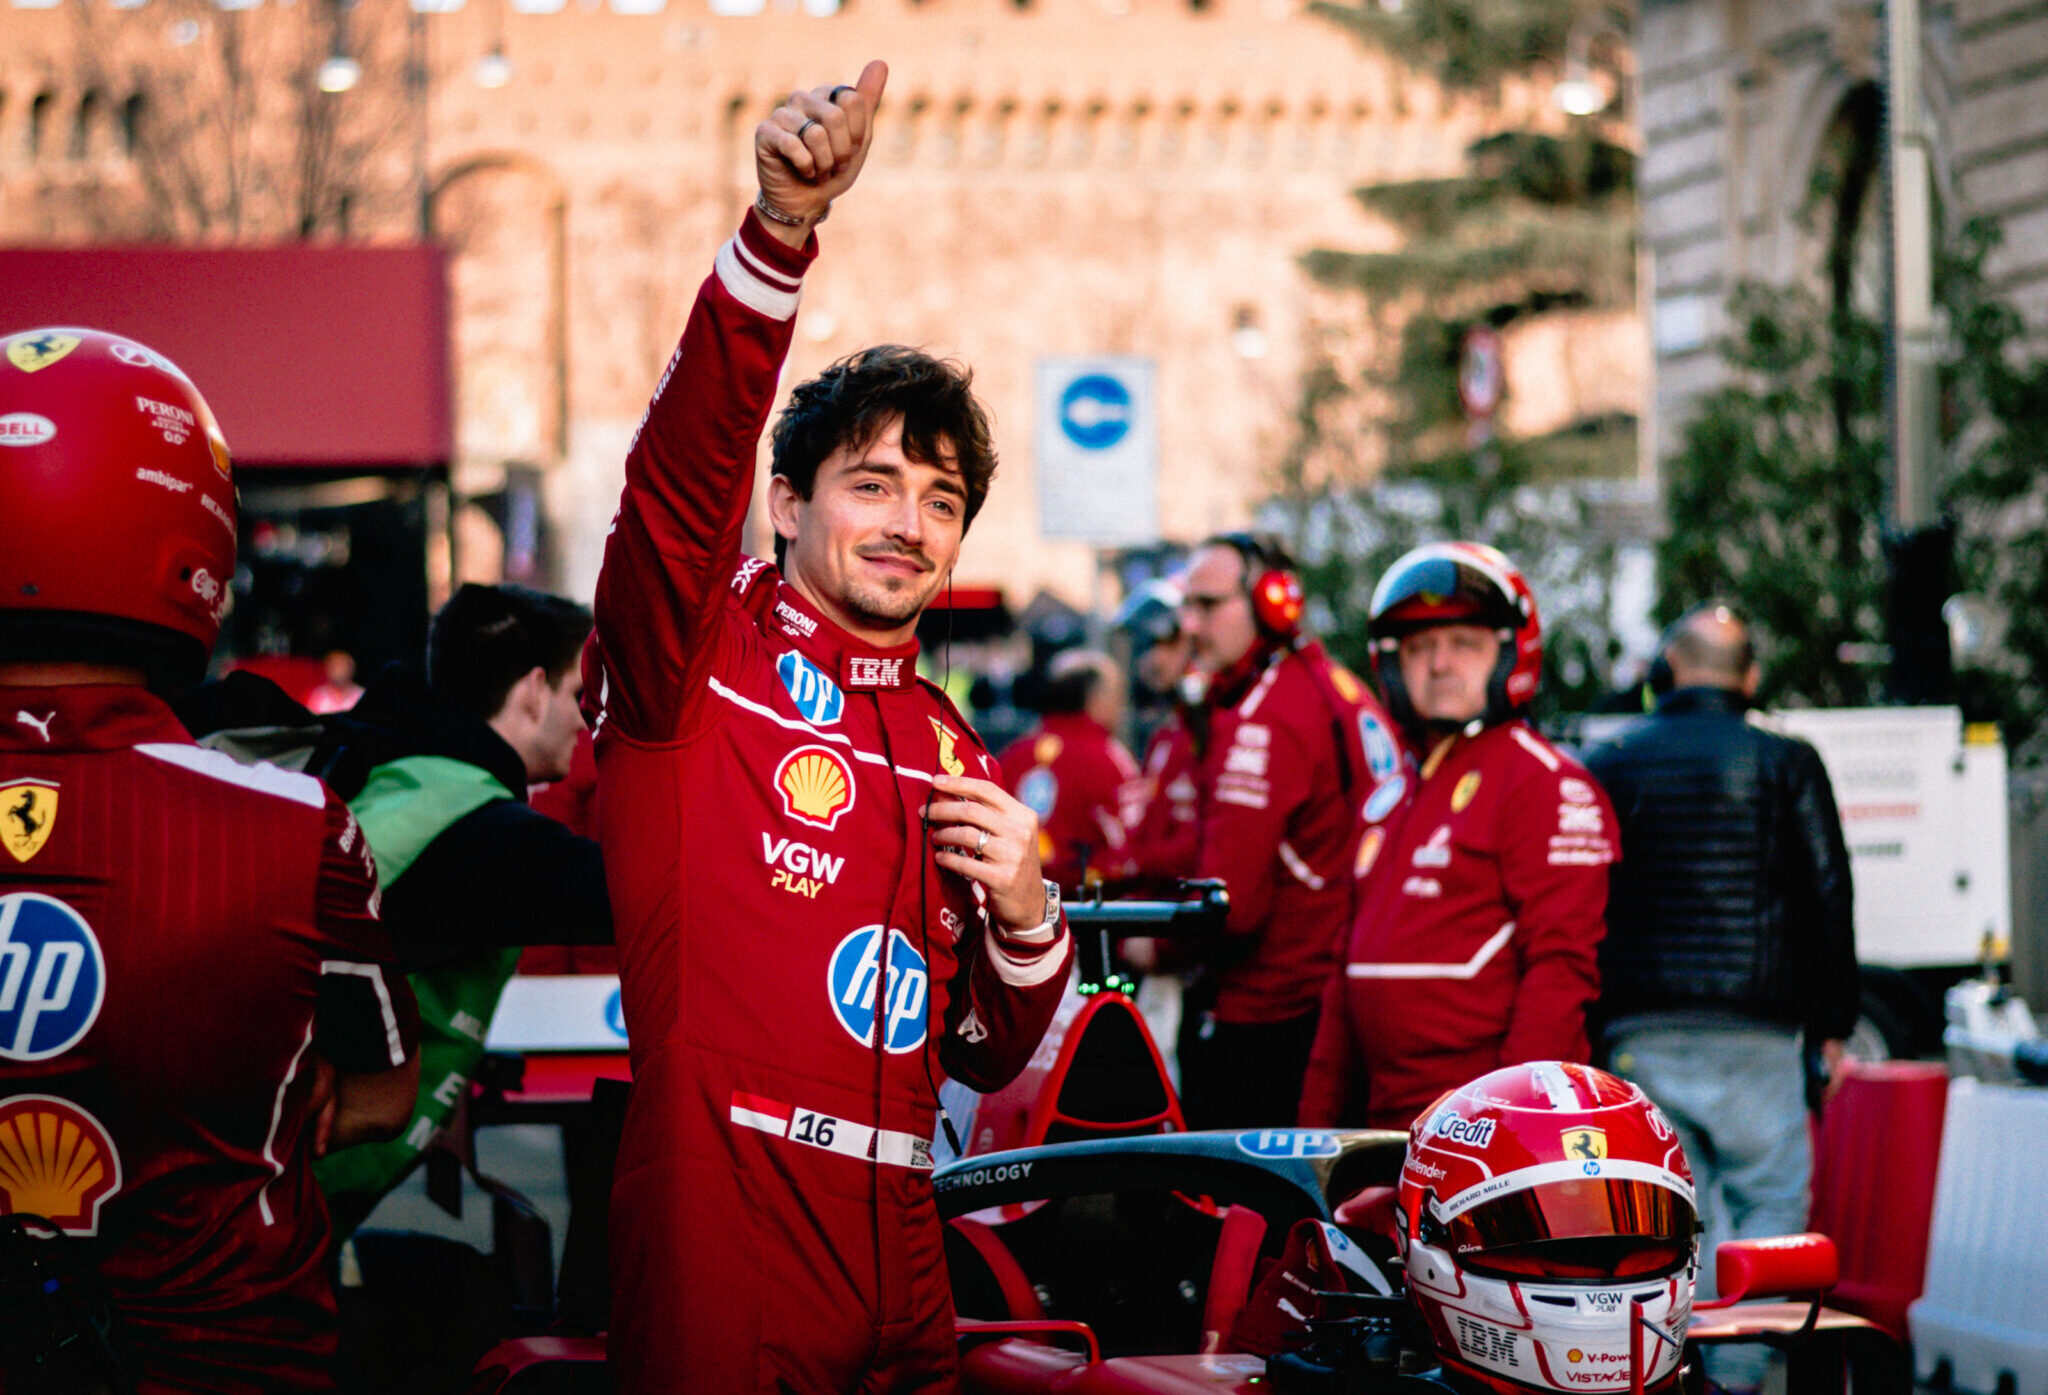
{"x":52,"y":977}
{"x":856,"y":975}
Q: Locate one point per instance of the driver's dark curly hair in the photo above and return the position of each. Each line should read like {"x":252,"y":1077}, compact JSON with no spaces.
{"x":848,"y":403}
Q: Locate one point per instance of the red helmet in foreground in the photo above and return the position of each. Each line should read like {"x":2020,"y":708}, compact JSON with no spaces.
{"x":1538,"y":1206}
{"x":119,"y":497}
{"x":1458,"y":583}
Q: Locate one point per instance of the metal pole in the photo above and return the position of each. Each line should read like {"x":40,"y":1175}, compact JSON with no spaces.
{"x":1920,"y":544}
{"x":1916,"y":440}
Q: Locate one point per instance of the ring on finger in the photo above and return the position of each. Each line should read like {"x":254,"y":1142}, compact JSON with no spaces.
{"x":808,"y":123}
{"x":833,"y":95}
{"x":981,"y":842}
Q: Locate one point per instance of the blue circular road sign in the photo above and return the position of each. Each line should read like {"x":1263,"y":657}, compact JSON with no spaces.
{"x":1095,"y":411}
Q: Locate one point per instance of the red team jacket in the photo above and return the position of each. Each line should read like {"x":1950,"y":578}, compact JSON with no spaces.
{"x":1081,"y":782}
{"x":1281,"y":781}
{"x":790,"y":953}
{"x":1482,"y":905}
{"x":1167,"y":834}
{"x":177,"y":933}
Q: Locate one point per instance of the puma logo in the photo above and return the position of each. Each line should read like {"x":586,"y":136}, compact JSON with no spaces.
{"x":41,"y":724}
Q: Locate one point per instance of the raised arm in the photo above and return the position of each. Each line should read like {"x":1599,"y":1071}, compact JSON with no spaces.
{"x":675,"y":543}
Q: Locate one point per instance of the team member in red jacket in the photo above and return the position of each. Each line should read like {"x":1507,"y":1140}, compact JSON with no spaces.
{"x":197,"y":994}
{"x":1294,"y":746}
{"x":1073,"y":773}
{"x":815,"y":878}
{"x":1483,"y":869}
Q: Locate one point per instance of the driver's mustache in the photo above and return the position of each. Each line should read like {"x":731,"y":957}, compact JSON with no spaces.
{"x":908,"y":554}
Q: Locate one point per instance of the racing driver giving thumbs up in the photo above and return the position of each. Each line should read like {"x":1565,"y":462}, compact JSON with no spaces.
{"x":817,"y":883}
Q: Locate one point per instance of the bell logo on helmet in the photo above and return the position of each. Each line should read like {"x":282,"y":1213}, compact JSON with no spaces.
{"x":32,"y":353}
{"x":26,"y":429}
{"x":57,"y":1162}
{"x":855,"y":981}
{"x":52,"y":977}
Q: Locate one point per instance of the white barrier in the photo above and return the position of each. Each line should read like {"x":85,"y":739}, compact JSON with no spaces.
{"x":1984,"y":1313}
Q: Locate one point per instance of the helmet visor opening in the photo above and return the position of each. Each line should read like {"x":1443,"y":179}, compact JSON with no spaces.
{"x":1598,"y":1228}
{"x":1435,"y":591}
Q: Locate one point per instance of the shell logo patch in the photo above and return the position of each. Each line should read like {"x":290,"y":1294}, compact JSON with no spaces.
{"x":53,"y":977}
{"x":32,"y":353}
{"x":1368,"y":851}
{"x":57,"y":1162}
{"x":1046,"y":749}
{"x":949,"y":761}
{"x":1468,"y":785}
{"x":1588,"y":1145}
{"x":816,"y":785}
{"x":28,"y":811}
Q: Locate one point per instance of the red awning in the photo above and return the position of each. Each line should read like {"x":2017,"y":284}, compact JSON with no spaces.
{"x":328,"y":357}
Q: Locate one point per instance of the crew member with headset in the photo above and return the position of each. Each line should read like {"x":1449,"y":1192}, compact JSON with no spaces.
{"x":1482,"y":870}
{"x":1294,"y":747}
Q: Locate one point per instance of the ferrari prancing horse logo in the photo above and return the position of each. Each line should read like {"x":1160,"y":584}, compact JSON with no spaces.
{"x":1587,"y":1145}
{"x":28,"y":810}
{"x":37,"y":351}
{"x":949,"y":761}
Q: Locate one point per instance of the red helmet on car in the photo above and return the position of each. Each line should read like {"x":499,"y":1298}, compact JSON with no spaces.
{"x":1542,"y":1207}
{"x":120,"y":496}
{"x":1458,"y":583}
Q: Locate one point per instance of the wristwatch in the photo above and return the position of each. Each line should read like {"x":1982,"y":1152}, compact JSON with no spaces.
{"x":1052,"y":905}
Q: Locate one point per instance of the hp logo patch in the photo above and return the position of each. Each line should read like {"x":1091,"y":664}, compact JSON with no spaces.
{"x":53,"y":977}
{"x":615,"y":1014}
{"x":856,"y":975}
{"x":1288,"y":1143}
{"x":815,"y":695}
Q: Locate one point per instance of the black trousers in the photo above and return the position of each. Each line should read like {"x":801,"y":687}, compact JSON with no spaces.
{"x":1243,"y":1075}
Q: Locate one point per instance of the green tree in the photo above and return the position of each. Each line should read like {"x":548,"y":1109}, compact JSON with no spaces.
{"x":1537,"y":222}
{"x":1777,"y":496}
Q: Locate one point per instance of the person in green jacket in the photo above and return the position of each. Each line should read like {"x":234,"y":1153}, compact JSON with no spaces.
{"x":437,"y":772}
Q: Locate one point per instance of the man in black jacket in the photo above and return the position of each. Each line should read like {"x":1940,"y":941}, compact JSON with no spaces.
{"x":437,"y":772}
{"x":1729,"y":933}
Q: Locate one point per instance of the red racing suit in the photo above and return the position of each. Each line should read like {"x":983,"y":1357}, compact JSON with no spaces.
{"x":178,"y":933}
{"x":1286,"y":770}
{"x":1482,"y":900}
{"x":789,"y":951}
{"x":1166,"y":836}
{"x":1082,"y":784}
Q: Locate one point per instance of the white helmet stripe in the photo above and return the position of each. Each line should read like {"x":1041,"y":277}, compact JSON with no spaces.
{"x":1564,"y":1095}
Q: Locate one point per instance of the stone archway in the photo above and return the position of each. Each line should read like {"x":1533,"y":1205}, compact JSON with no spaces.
{"x":503,"y":219}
